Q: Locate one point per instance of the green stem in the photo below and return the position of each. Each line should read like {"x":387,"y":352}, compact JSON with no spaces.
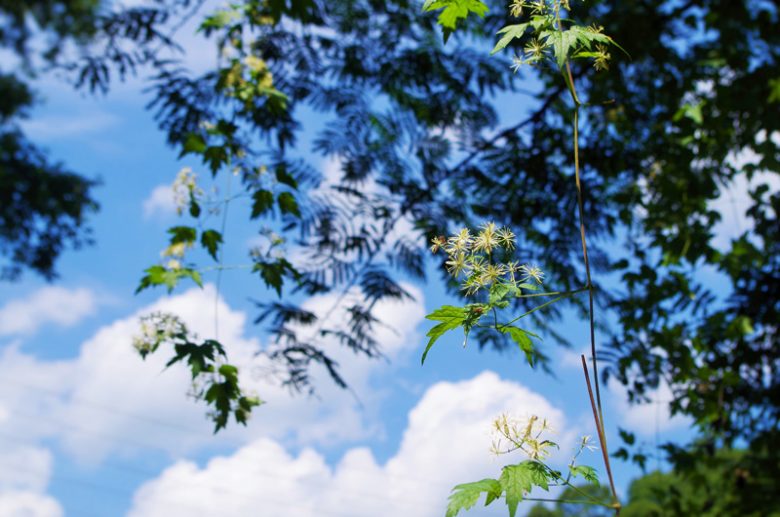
{"x":568,"y":484}
{"x":225,"y":268}
{"x":552,"y":293}
{"x":566,"y":294}
{"x":568,"y":501}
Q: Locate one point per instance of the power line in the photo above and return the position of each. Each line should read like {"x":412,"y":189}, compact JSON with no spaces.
{"x":361,"y":494}
{"x":113,"y":410}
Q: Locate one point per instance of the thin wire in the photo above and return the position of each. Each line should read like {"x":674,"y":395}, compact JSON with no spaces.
{"x":226,"y":202}
{"x":189,"y":431}
{"x":358,"y":495}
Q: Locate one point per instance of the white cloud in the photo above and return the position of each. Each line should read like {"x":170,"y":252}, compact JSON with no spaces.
{"x":650,"y":418}
{"x":28,"y":504}
{"x":159,"y":202}
{"x":24,"y":476}
{"x":47,"y":128}
{"x":446,"y":442}
{"x":57,"y":305}
{"x":24,"y":468}
{"x":108,"y":401}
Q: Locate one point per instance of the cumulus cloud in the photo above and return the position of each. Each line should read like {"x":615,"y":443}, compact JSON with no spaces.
{"x":57,"y":305}
{"x":108,"y":401}
{"x":24,"y":477}
{"x":446,"y":442}
{"x":159,"y":202}
{"x":28,"y":504}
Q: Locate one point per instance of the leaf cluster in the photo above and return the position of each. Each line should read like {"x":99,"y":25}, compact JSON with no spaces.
{"x":215,"y":381}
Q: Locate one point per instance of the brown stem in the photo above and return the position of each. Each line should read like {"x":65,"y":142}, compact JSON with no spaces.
{"x":602,"y":437}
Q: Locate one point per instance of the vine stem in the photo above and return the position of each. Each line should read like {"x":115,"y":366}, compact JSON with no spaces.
{"x":598,"y":413}
{"x":564,"y":501}
{"x":545,"y":304}
{"x":581,"y":207}
{"x":556,"y":475}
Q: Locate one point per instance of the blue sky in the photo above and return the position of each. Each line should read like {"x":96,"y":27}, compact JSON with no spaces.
{"x":87,"y":428}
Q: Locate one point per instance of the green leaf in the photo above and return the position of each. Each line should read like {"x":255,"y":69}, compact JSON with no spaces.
{"x":194,"y":207}
{"x":193,"y":143}
{"x":450,"y":317}
{"x":510,"y":32}
{"x":191,"y":273}
{"x":262,"y":201}
{"x":218,"y":20}
{"x":211,"y":239}
{"x":159,"y":275}
{"x":284,"y":177}
{"x":517,"y":480}
{"x":628,"y":437}
{"x":562,"y":42}
{"x":523,"y":340}
{"x":454,"y":11}
{"x":587,"y":473}
{"x":154,"y":276}
{"x":288,"y":204}
{"x":229,"y":372}
{"x":541,"y":21}
{"x":498,"y":292}
{"x":183,"y":234}
{"x":465,"y":496}
{"x":515,"y":485}
{"x":215,"y":156}
{"x":692,"y":112}
{"x":273,"y":273}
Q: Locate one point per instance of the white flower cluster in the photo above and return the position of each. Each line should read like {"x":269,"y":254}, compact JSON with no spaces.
{"x":472,"y":256}
{"x":523,"y":434}
{"x":157,"y":328}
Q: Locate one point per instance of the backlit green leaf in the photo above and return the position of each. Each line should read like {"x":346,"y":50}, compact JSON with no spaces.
{"x":450,"y":318}
{"x":510,"y":32}
{"x":523,"y":340}
{"x":517,"y":480}
{"x":585,"y":472}
{"x":465,"y":496}
{"x":453,"y":11}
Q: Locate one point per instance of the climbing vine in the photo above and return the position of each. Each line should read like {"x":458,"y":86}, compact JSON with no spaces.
{"x":488,"y":275}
